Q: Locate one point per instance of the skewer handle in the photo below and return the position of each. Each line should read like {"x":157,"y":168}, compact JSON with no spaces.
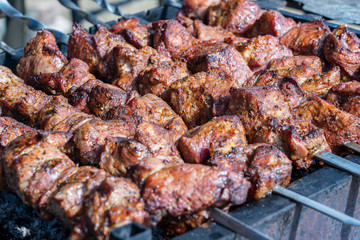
{"x":236,"y":225}
{"x":339,"y":162}
{"x":316,"y":206}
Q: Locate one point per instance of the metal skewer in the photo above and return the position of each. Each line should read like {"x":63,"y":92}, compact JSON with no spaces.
{"x":32,"y":23}
{"x":316,"y":206}
{"x":236,"y":225}
{"x":353,"y":146}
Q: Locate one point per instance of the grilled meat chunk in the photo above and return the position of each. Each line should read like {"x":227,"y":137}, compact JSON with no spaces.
{"x":64,"y":82}
{"x":41,"y":55}
{"x":201,"y":96}
{"x":236,"y":16}
{"x":206,"y":32}
{"x":211,"y":55}
{"x":339,"y":126}
{"x":267,"y":118}
{"x":346,"y":96}
{"x":157,"y":78}
{"x":258,"y":51}
{"x":196,"y":8}
{"x":189,"y":188}
{"x":170,"y":38}
{"x":342,"y":48}
{"x":307,"y":38}
{"x":153,"y":109}
{"x":271,"y":23}
{"x":133,"y":31}
{"x":220,"y":132}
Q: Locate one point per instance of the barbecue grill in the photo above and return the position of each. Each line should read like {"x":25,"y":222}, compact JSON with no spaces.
{"x":274,"y":216}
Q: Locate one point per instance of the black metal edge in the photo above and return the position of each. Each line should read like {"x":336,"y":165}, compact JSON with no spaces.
{"x":131,"y":231}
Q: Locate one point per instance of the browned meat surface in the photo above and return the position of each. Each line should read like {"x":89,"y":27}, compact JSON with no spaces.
{"x":41,"y":55}
{"x":170,"y":38}
{"x":201,"y":96}
{"x":189,"y":188}
{"x":64,"y":82}
{"x":196,"y":8}
{"x":267,"y":118}
{"x":258,"y":51}
{"x":236,"y":16}
{"x":153,"y":109}
{"x":206,"y":32}
{"x":211,"y":55}
{"x":346,"y":96}
{"x":339,"y":126}
{"x":157,"y":78}
{"x":342,"y":48}
{"x":134,"y":33}
{"x":124,"y":63}
{"x":221,"y":132}
{"x":307,"y":38}
{"x":150,"y":150}
{"x":97,"y":98}
{"x":273,"y":23}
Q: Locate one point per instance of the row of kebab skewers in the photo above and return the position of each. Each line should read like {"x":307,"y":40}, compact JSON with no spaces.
{"x":212,"y":109}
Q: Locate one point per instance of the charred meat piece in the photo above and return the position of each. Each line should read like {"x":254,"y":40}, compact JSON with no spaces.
{"x":153,"y":109}
{"x":267,"y":118}
{"x":189,"y":188}
{"x":150,"y":150}
{"x":157,"y":78}
{"x":201,"y":96}
{"x":342,"y":48}
{"x":41,"y":55}
{"x":307,"y":38}
{"x":236,"y":16}
{"x":97,"y":98}
{"x":273,"y":23}
{"x":133,"y":31}
{"x":64,"y":82}
{"x":258,"y":51}
{"x":220,"y":132}
{"x":170,"y":38}
{"x":196,"y":8}
{"x":346,"y":96}
{"x":339,"y":126}
{"x":205,"y":32}
{"x":211,"y":55}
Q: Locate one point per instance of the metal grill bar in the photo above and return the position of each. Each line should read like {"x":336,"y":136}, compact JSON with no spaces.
{"x":353,"y":146}
{"x":32,"y":23}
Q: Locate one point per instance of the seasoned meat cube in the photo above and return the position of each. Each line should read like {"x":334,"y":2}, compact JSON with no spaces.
{"x":342,"y":48}
{"x":17,"y":99}
{"x":339,"y":126}
{"x":133,"y":32}
{"x":346,"y":96}
{"x":150,"y":150}
{"x":236,"y":16}
{"x":157,"y":78}
{"x":41,"y":55}
{"x":153,"y":109}
{"x":67,"y":200}
{"x":9,"y":130}
{"x":212,"y":55}
{"x":114,"y":202}
{"x":189,"y":188}
{"x":197,"y":8}
{"x":199,"y":97}
{"x":64,"y":82}
{"x":307,"y":38}
{"x":258,"y":51}
{"x":205,"y":32}
{"x":33,"y":164}
{"x":97,"y":98}
{"x":92,"y":136}
{"x":221,"y":132}
{"x":170,"y":38}
{"x":273,"y":23}
{"x":124,"y":63}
